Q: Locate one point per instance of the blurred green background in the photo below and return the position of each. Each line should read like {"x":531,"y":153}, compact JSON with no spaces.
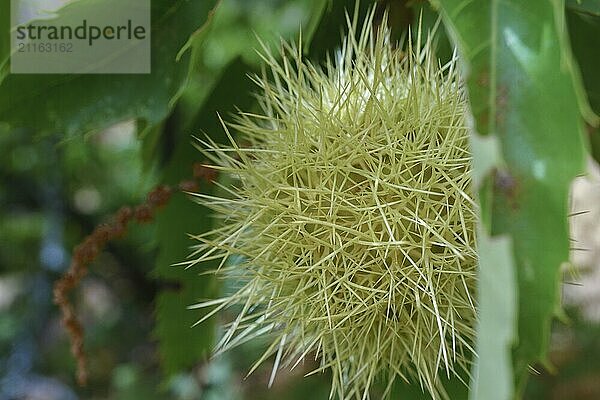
{"x":56,"y":187}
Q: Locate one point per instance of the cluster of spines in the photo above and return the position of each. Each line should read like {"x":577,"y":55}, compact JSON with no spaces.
{"x":352,"y":222}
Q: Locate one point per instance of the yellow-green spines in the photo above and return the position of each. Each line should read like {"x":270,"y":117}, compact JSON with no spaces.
{"x":352,"y":221}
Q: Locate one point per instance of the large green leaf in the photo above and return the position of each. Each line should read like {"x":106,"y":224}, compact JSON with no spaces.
{"x":180,"y":345}
{"x":492,"y":373}
{"x":523,"y":90}
{"x":73,"y":104}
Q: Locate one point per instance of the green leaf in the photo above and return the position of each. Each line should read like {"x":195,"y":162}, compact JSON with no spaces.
{"x":492,"y":373}
{"x":74,"y":104}
{"x":180,"y":345}
{"x":523,"y":90}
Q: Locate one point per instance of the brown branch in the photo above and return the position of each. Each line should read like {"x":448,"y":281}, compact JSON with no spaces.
{"x":93,"y":244}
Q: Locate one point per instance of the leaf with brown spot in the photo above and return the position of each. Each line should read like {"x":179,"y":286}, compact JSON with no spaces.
{"x":532,"y":106}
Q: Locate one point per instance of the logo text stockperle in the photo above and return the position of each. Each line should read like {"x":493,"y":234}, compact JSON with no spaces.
{"x":84,"y":31}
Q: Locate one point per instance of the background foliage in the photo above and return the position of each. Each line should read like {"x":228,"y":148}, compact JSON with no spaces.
{"x":77,"y":147}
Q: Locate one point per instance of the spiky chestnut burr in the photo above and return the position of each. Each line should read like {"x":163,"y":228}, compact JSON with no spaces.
{"x":351,"y":228}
